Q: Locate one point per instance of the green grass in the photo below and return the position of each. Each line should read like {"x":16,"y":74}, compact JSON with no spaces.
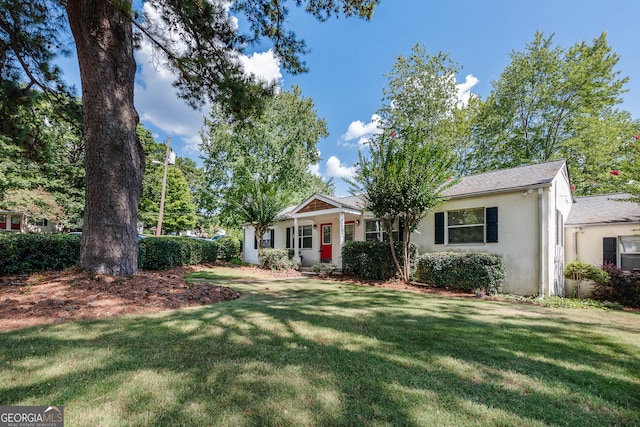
{"x":313,"y":352}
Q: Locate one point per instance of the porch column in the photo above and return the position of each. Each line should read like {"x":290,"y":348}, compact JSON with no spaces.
{"x":296,"y":249}
{"x":339,"y":263}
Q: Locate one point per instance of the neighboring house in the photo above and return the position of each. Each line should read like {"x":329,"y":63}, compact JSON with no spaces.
{"x":518,"y":213}
{"x":604,"y":229}
{"x":12,"y":222}
{"x":16,"y":222}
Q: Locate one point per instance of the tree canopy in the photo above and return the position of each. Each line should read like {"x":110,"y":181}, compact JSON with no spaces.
{"x":411,"y":162}
{"x":198,"y":41}
{"x":272,"y":152}
{"x":552,"y":103}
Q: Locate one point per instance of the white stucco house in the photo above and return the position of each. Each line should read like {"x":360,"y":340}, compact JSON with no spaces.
{"x":518,"y":213}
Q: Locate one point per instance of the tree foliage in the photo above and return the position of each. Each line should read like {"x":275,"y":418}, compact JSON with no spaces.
{"x":552,"y":103}
{"x":272,"y":152}
{"x":198,"y":41}
{"x":411,"y":161}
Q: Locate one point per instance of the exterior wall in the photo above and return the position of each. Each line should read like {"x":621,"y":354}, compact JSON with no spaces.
{"x":560,"y":203}
{"x":517,"y":237}
{"x":584,"y":242}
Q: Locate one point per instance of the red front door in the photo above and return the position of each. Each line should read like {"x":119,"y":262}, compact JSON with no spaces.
{"x":325,"y":243}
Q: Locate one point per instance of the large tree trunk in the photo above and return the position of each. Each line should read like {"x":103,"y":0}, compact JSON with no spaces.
{"x":114,"y":159}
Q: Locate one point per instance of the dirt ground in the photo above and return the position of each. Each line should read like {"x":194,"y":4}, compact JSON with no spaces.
{"x":62,"y":296}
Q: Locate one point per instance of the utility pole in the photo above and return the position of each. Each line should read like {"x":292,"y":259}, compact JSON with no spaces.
{"x":164,"y":188}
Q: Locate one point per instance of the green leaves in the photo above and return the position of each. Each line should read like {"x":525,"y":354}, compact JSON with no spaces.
{"x":553,"y":103}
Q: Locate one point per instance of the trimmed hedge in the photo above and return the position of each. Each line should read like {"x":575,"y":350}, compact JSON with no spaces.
{"x":465,"y":271}
{"x":162,"y":253}
{"x":622,"y":287}
{"x":372,"y":260}
{"x":28,"y":253}
{"x":229,"y":248}
{"x":276,"y":259}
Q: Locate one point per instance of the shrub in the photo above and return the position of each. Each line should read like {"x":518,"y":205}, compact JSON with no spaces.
{"x":371,"y":260}
{"x":465,"y":271}
{"x":579,"y":270}
{"x":161,"y":253}
{"x":229,"y":247}
{"x":27,"y":253}
{"x":322,"y":268}
{"x":622,"y":287}
{"x":276,"y":259}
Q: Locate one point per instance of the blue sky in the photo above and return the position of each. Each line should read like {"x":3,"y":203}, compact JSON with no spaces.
{"x":350,"y":57}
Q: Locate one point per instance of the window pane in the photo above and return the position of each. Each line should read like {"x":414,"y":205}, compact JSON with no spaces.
{"x":348,"y":232}
{"x":371,"y":226}
{"x":629,"y":244}
{"x":466,"y":235}
{"x":630,"y":262}
{"x":307,"y":243}
{"x":326,"y":234}
{"x":466,"y":217}
{"x":371,"y":237}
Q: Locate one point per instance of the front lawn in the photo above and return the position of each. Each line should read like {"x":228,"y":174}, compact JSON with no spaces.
{"x":312,"y":352}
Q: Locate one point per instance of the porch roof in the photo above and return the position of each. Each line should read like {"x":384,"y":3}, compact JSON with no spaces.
{"x":319,"y":204}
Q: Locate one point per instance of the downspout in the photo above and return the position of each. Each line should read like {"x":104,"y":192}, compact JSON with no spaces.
{"x":541,"y":243}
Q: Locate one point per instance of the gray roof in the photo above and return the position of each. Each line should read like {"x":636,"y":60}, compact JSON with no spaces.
{"x":603,"y":209}
{"x":528,"y":176}
{"x":503,"y":180}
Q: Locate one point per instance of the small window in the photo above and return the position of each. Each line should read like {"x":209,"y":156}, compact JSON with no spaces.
{"x":41,"y":222}
{"x":373,"y":230}
{"x":305,"y":232}
{"x":349,"y":232}
{"x":3,"y":218}
{"x":15,"y":222}
{"x":326,"y":234}
{"x":266,"y":239}
{"x":629,"y":253}
{"x":466,"y":226}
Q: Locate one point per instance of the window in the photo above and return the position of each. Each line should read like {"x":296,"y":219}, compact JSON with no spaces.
{"x":306,"y":241}
{"x":466,"y":226}
{"x":629,"y":253}
{"x":41,"y":222}
{"x":267,"y":239}
{"x":3,"y":220}
{"x":476,"y":225}
{"x":349,"y":232}
{"x":373,"y":231}
{"x":304,"y":235}
{"x":15,"y":223}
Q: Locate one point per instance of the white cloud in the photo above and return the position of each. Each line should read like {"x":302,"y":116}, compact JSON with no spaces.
{"x":264,"y":65}
{"x":464,"y":89}
{"x":361,"y":131}
{"x":336,"y":169}
{"x":315,"y":170}
{"x":158,"y":103}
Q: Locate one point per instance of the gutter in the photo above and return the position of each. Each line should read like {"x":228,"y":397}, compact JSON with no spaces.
{"x":498,"y":191}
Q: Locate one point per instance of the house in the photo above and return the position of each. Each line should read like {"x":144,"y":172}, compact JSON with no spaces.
{"x":604,"y":229}
{"x":16,"y":222}
{"x":12,"y":222}
{"x":518,"y":213}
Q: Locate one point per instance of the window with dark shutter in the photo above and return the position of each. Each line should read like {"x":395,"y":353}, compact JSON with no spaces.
{"x":609,"y":250}
{"x":492,"y":224}
{"x":439,"y":231}
{"x":273,"y":240}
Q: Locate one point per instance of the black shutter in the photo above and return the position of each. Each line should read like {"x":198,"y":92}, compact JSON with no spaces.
{"x":273,"y":240}
{"x":609,"y":250}
{"x":439,"y":232}
{"x":492,"y":225}
{"x":255,"y":241}
{"x":288,"y":244}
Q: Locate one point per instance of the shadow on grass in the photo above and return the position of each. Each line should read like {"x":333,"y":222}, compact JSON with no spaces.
{"x":330,"y":355}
